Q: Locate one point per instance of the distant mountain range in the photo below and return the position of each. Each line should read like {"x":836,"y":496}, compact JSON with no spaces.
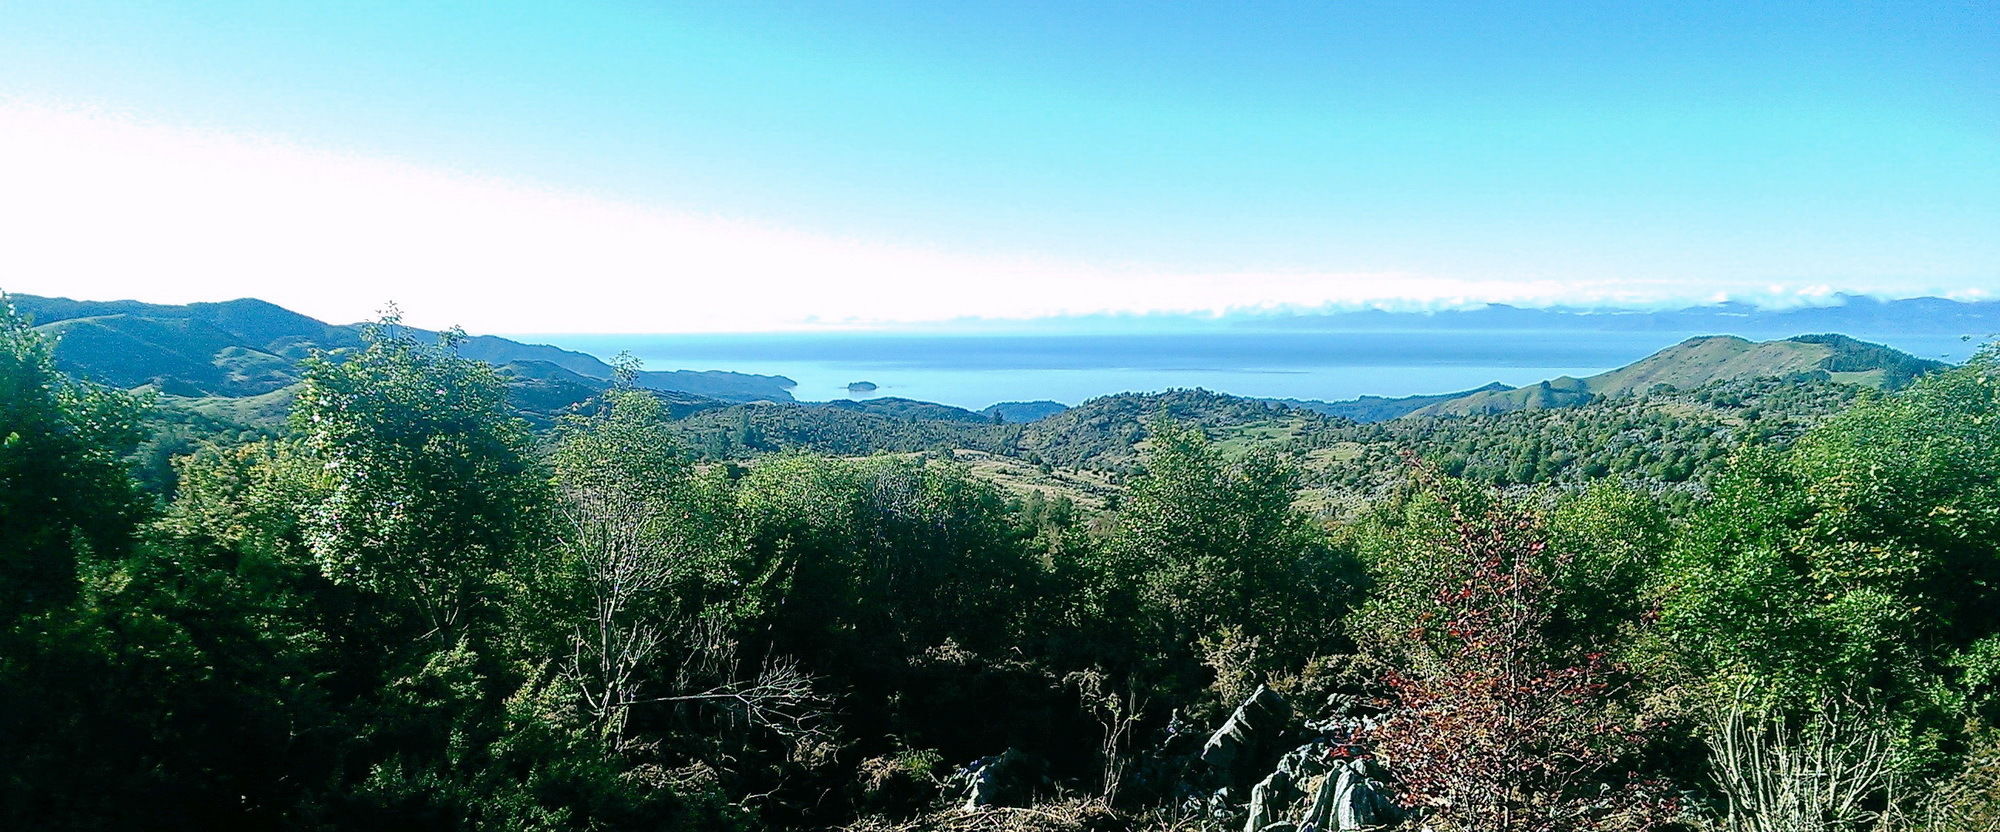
{"x":250,"y":347}
{"x":1856,"y":315}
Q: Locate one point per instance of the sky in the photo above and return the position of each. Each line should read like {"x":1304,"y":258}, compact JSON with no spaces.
{"x":742,"y":167}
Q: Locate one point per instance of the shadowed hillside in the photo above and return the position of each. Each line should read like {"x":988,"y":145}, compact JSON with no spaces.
{"x":248,"y":347}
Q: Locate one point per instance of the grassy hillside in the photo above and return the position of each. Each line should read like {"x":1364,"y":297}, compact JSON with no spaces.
{"x":181,"y":356}
{"x":264,"y":411}
{"x":1705,"y":360}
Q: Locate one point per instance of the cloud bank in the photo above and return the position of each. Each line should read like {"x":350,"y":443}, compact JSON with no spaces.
{"x":99,"y":206}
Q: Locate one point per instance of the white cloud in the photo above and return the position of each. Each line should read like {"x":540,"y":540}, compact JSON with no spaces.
{"x":98,"y":206}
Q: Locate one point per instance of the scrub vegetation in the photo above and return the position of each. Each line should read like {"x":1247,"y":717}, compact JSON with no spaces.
{"x":1766,"y":601}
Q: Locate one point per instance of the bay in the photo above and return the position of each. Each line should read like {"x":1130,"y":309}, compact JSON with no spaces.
{"x":976,"y":370}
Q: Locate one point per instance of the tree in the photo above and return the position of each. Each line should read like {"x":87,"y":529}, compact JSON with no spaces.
{"x":66,"y":496}
{"x":648,"y":557}
{"x":68,"y":510}
{"x":896,"y":580}
{"x":1506,"y":731}
{"x":1859,"y":565}
{"x":428,"y":489}
{"x":1209,"y":552}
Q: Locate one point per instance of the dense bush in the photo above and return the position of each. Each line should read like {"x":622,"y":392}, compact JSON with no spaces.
{"x":408,"y":610}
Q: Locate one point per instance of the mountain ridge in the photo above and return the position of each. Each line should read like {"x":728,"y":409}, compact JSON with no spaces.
{"x":247,"y":347}
{"x":1859,"y":315}
{"x":1383,"y":408}
{"x":1703,"y":360}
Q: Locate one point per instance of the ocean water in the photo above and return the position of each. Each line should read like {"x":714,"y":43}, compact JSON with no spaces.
{"x":974,"y":371}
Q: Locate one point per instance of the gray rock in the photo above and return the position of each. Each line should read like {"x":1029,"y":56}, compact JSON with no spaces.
{"x":1249,"y":738}
{"x":1280,"y":792}
{"x":1268,"y":798}
{"x":1345,"y":798}
{"x":1350,"y":801}
{"x":1005,"y":779}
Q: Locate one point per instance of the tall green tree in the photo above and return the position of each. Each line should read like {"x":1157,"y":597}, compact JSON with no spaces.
{"x":66,"y":495}
{"x":429,"y":491}
{"x":895,"y":580}
{"x":68,"y":511}
{"x":1204,"y":547}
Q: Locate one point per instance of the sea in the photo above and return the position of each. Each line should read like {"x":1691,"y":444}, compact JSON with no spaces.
{"x":974,"y":370}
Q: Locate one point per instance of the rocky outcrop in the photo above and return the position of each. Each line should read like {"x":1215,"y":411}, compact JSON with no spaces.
{"x":1253,"y":770}
{"x":1351,"y":800}
{"x":1250,"y":739}
{"x":1345,"y":797}
{"x":1278,"y":792}
{"x":1006,"y":779}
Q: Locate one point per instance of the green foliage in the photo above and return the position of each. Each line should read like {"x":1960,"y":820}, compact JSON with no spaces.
{"x":744,"y":431}
{"x":1107,"y":432}
{"x":1596,"y":552}
{"x":1205,"y":549}
{"x":910,"y":409}
{"x":1669,"y":441}
{"x":1863,"y":559}
{"x":1605,"y":543}
{"x":647,"y":565}
{"x":406,"y":610}
{"x":886,"y":554}
{"x":1969,"y":798}
{"x":427,"y":489}
{"x":65,"y":495}
{"x":114,"y":712}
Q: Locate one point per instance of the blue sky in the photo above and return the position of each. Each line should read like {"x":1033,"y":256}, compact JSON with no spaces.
{"x":833,"y":163}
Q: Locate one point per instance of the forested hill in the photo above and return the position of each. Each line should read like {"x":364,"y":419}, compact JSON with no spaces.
{"x":249,"y":347}
{"x":1664,"y":440}
{"x":1382,"y":409}
{"x":1704,"y":360}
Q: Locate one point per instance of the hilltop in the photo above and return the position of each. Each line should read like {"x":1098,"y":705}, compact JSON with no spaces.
{"x":902,"y":408}
{"x":1106,"y":432}
{"x":249,"y":347}
{"x":1023,"y":411}
{"x":1705,"y":360}
{"x":1382,"y":409}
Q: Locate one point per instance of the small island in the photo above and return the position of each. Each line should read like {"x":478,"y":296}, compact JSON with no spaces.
{"x":861,"y":387}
